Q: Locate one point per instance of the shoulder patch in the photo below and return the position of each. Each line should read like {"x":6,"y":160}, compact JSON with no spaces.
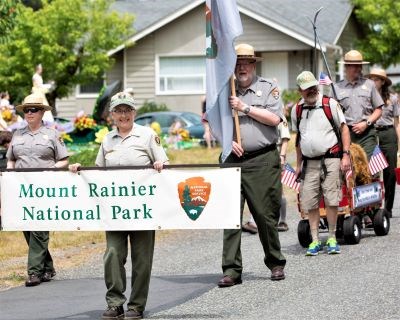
{"x":275,"y":93}
{"x":157,"y":140}
{"x":284,"y":123}
{"x":61,"y":140}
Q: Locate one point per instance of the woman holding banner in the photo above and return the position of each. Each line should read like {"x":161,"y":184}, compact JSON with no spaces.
{"x":388,"y":131}
{"x":128,"y":145}
{"x":37,"y":146}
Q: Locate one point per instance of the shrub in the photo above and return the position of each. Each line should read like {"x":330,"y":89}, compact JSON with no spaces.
{"x":86,"y":157}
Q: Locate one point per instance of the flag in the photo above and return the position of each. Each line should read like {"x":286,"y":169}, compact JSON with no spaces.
{"x":324,"y":79}
{"x":223,"y":25}
{"x":349,"y":174}
{"x":377,"y":162}
{"x":289,"y":178}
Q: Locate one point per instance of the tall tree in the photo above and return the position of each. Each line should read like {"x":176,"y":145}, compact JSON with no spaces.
{"x":381,"y":19}
{"x":8,"y":14}
{"x":69,"y":38}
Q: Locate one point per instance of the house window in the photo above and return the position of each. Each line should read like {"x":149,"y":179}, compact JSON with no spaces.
{"x":180,"y":75}
{"x":92,"y":87}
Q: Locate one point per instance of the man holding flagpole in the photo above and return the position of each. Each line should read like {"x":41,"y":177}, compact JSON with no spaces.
{"x":260,"y":112}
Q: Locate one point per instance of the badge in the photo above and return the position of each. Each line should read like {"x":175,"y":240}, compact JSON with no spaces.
{"x":258,"y":93}
{"x":364,"y":87}
{"x":284,"y":123}
{"x":275,"y":93}
{"x":45,"y":137}
{"x":157,"y":139}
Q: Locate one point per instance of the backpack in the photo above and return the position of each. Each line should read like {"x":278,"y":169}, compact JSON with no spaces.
{"x":328,"y":113}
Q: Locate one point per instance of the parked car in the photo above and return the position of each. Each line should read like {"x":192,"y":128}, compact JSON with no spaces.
{"x":191,"y":121}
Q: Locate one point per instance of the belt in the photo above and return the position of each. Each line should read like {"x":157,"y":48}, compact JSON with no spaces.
{"x":252,"y":154}
{"x":382,"y":128}
{"x":364,"y":133}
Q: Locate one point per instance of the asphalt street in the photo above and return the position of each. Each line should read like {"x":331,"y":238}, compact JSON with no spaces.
{"x":362,"y":282}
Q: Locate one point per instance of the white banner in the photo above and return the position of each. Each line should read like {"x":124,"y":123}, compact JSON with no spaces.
{"x":121,"y":200}
{"x":367,"y":194}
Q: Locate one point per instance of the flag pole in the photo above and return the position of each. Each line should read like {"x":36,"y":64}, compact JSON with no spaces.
{"x":235,"y":114}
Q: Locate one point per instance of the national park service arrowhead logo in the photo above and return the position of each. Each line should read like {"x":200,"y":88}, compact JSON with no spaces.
{"x":193,"y":195}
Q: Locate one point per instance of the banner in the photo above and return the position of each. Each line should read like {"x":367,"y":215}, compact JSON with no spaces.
{"x":121,"y":200}
{"x":367,"y":194}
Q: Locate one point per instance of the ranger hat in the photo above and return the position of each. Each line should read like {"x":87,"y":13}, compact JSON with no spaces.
{"x":33,"y":100}
{"x":306,"y":80}
{"x":353,"y":57}
{"x":380,"y":73}
{"x":246,"y":51}
{"x":122,"y":98}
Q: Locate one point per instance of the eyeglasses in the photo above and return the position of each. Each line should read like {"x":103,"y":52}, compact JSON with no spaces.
{"x":121,"y":111}
{"x":245,"y":63}
{"x":31,"y":110}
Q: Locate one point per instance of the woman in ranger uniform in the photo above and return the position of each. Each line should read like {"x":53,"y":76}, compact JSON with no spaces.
{"x":37,"y":146}
{"x":388,"y":131}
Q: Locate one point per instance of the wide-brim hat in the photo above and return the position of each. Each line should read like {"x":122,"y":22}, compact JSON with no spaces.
{"x":245,"y":51}
{"x":306,"y":80}
{"x":35,"y":101}
{"x":122,"y":98}
{"x":380,"y":73}
{"x":353,"y":57}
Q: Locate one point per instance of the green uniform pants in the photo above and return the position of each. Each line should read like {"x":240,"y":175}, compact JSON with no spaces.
{"x":262,"y":189}
{"x":39,"y":258}
{"x":367,"y":140}
{"x":142,"y":248}
{"x":388,"y":145}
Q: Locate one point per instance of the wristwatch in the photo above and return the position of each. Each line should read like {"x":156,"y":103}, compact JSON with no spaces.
{"x":369,"y":123}
{"x":246,"y":110}
{"x":346,"y":152}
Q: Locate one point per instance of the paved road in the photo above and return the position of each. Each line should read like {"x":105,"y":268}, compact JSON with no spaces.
{"x":361,"y":283}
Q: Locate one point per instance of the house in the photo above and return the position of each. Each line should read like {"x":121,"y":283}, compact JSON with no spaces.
{"x":166,"y":62}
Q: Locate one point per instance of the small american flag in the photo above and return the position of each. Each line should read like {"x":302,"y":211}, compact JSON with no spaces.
{"x":289,"y":178}
{"x":349,"y":174}
{"x":377,"y":162}
{"x":324,"y":79}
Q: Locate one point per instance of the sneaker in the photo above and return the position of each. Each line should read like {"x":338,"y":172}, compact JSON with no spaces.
{"x":33,"y":280}
{"x":132,"y":314}
{"x":333,"y":247}
{"x":314,"y":248}
{"x":113,"y":313}
{"x":282,"y":227}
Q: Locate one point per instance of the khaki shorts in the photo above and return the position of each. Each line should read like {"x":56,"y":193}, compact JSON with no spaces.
{"x":315,"y":185}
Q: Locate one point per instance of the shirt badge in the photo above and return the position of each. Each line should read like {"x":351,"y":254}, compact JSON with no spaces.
{"x":45,"y":137}
{"x":258,"y":93}
{"x":364,"y":87}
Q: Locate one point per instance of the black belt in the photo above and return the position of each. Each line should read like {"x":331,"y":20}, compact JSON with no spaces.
{"x":382,"y":128}
{"x":252,"y":154}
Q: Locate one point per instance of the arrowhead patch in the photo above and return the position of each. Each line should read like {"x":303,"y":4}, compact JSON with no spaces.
{"x":193,"y":195}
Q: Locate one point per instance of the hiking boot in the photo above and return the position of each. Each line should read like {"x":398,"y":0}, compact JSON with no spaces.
{"x":47,"y":276}
{"x":314,"y":248}
{"x":33,"y":280}
{"x":333,"y":247}
{"x":113,"y":313}
{"x":282,"y":227}
{"x":132,"y":314}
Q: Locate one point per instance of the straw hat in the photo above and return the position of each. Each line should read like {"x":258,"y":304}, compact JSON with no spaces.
{"x":380,"y":73}
{"x":353,"y":57}
{"x":122,"y":98}
{"x":33,"y":100}
{"x":246,"y":51}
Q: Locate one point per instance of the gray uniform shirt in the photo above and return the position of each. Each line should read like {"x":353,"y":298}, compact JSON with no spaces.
{"x":264,"y":94}
{"x":316,"y":133}
{"x":389,"y":111}
{"x":140,"y":147}
{"x":358,"y":100}
{"x":41,"y":149}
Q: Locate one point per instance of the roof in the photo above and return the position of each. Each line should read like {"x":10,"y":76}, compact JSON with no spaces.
{"x":287,"y":16}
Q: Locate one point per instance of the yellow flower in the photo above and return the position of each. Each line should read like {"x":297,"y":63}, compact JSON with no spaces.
{"x":101,"y":134}
{"x":66,"y":137}
{"x":156,"y":127}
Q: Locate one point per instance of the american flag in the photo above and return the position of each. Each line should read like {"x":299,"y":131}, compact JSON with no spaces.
{"x":377,"y":162}
{"x":324,"y":79}
{"x":349,"y":174}
{"x":289,"y":178}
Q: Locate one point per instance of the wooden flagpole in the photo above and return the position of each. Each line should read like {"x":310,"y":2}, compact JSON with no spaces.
{"x":235,"y":114}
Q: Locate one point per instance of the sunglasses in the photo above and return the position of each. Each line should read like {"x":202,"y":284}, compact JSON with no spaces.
{"x":121,"y":111}
{"x":31,"y":110}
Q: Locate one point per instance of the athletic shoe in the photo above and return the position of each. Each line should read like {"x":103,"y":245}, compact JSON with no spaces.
{"x":333,"y":247}
{"x":314,"y":248}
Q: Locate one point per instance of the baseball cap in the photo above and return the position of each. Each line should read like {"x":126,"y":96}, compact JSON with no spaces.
{"x":306,"y":80}
{"x":122,"y":98}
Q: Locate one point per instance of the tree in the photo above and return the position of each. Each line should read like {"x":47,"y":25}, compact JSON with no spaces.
{"x":69,"y":38}
{"x":382,"y":26}
{"x":8,"y":13}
